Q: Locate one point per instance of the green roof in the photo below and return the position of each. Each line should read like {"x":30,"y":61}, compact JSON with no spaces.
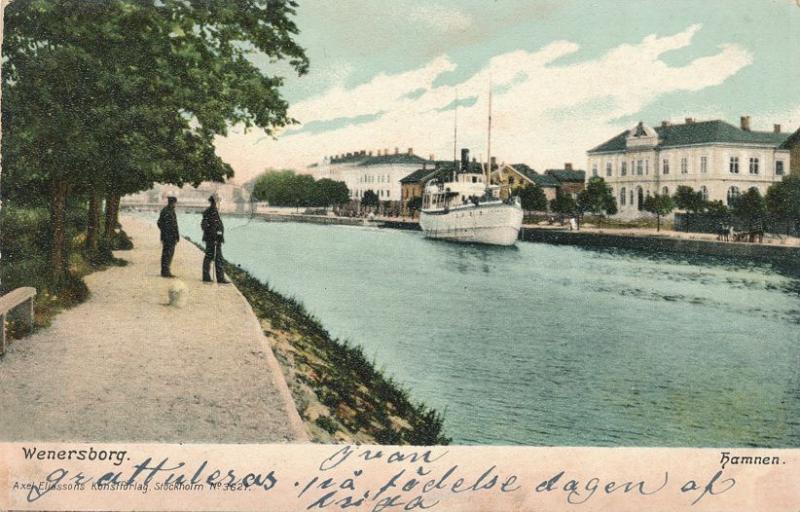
{"x":699,"y":132}
{"x":563,"y":175}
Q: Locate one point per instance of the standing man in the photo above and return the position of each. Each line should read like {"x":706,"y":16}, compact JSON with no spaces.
{"x":213,"y":232}
{"x":168,"y":224}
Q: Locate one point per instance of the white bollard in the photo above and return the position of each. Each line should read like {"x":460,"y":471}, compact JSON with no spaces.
{"x":178,"y":294}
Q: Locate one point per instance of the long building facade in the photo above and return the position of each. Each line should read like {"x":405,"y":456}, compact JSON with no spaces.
{"x":362,"y":170}
{"x":713,"y":157}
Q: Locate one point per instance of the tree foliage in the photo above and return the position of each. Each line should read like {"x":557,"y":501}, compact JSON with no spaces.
{"x":285,"y":188}
{"x":328,"y":192}
{"x":106,"y":98}
{"x":370,"y":198}
{"x":689,"y":200}
{"x":563,"y":203}
{"x":532,"y":198}
{"x":750,"y":208}
{"x":597,"y":198}
{"x":783,"y":201}
{"x":659,"y":205}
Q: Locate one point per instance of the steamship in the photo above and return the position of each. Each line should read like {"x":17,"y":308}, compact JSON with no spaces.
{"x":467,"y":208}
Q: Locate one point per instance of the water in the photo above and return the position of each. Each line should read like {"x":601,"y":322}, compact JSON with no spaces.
{"x":551,"y":345}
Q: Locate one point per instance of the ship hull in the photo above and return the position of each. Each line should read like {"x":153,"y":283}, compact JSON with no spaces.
{"x":493,"y":224}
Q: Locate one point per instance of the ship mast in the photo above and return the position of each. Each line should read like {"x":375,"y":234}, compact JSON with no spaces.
{"x":455,"y":138}
{"x":489,"y":139}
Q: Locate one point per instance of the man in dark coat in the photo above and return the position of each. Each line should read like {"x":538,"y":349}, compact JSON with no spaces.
{"x":168,"y":224}
{"x":213,"y":236}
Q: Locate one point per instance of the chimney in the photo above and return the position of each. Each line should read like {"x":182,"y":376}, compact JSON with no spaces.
{"x":493,"y":163}
{"x":689,"y":120}
{"x":430,"y":157}
{"x":745,"y":123}
{"x":396,"y":150}
{"x":370,"y":153}
{"x":385,"y":151}
{"x":568,"y":166}
{"x":776,"y":128}
{"x":410,"y":151}
{"x":664,"y":124}
{"x":464,"y":159}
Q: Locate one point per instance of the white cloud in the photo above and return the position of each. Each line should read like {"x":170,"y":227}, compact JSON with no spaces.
{"x":440,"y":18}
{"x":545,"y":113}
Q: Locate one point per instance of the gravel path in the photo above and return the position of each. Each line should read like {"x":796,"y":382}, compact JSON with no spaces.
{"x":125,"y":366}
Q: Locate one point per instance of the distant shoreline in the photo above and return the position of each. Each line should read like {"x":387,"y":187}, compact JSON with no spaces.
{"x":664,"y":242}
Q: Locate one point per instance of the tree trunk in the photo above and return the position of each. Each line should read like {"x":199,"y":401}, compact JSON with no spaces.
{"x":58,"y":249}
{"x":112,"y":215}
{"x":658,"y":223}
{"x":93,"y":223}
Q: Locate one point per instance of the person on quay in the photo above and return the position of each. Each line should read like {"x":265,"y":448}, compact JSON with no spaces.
{"x":213,"y":236}
{"x":168,"y":225}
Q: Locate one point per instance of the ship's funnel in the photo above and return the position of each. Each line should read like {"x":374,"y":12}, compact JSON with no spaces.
{"x":464,"y":159}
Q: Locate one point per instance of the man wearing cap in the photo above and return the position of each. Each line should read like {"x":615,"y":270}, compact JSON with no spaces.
{"x":168,"y":224}
{"x":213,"y":231}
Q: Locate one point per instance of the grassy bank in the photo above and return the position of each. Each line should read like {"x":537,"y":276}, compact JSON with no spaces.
{"x":24,"y":238}
{"x":339,"y":393}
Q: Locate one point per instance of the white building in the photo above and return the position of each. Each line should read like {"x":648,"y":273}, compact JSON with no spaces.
{"x":713,"y":157}
{"x":362,"y":171}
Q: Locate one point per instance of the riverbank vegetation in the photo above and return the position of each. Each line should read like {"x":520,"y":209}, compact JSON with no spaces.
{"x":23,"y":237}
{"x":104,"y":99}
{"x":339,"y":392}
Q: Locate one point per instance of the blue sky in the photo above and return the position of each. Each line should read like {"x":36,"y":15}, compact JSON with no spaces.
{"x":566,"y":75}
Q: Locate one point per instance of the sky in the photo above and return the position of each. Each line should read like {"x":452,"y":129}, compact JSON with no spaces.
{"x":565,"y":76}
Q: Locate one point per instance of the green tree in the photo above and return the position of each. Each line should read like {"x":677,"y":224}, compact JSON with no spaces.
{"x":563,"y":203}
{"x":414,"y":204}
{"x":659,"y":205}
{"x":370,"y":198}
{"x":691,"y":202}
{"x":109,"y":97}
{"x":783,"y":201}
{"x":532,"y":198}
{"x":327,"y":192}
{"x":285,"y":188}
{"x":750,"y":208}
{"x":597,"y":198}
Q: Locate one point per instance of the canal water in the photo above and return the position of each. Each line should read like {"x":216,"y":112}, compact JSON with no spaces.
{"x":551,"y":345}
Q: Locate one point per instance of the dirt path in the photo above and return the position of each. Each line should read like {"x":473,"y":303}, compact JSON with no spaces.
{"x":125,"y":366}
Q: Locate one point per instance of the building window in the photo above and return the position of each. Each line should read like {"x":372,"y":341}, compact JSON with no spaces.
{"x":639,"y":167}
{"x":623,"y":170}
{"x":594,"y":169}
{"x":647,"y":166}
{"x":684,"y":165}
{"x":665,"y":166}
{"x":704,"y":191}
{"x":622,"y":196}
{"x":779,"y":167}
{"x":510,"y":180}
{"x":665,"y":191}
{"x":609,"y":169}
{"x":640,"y":198}
{"x":631,"y":197}
{"x":733,"y":165}
{"x":703,"y":164}
{"x":733,"y":193}
{"x":754,"y":166}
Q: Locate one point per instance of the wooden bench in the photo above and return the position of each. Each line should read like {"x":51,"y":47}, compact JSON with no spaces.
{"x":21,"y":300}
